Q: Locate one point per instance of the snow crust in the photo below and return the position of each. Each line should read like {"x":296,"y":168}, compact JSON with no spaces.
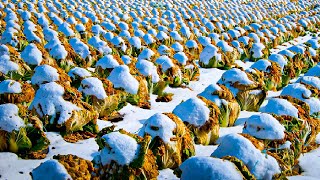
{"x":163,"y":50}
{"x":165,"y":62}
{"x":310,"y":80}
{"x":102,"y":46}
{"x":257,"y":50}
{"x":122,"y":148}
{"x":49,"y":101}
{"x":32,"y":55}
{"x":43,"y":74}
{"x":147,"y":68}
{"x":278,"y":58}
{"x":78,"y":71}
{"x":194,"y":111}
{"x":9,"y":118}
{"x":176,"y":36}
{"x":146,"y":54}
{"x":135,"y":42}
{"x":207,"y":93}
{"x":279,"y":107}
{"x":50,"y":169}
{"x":235,"y":75}
{"x":79,"y":47}
{"x":300,"y":92}
{"x":177,"y":47}
{"x":181,"y":58}
{"x":224,"y":46}
{"x":10,"y":86}
{"x":58,"y":52}
{"x":191,"y":44}
{"x":315,"y":71}
{"x":5,"y":64}
{"x":264,"y":126}
{"x":261,"y":65}
{"x":148,"y":39}
{"x":121,"y":78}
{"x":204,"y":41}
{"x":296,"y":90}
{"x":107,"y":62}
{"x":261,"y":165}
{"x":208,"y":168}
{"x":209,"y":52}
{"x":93,"y":86}
{"x":159,"y":125}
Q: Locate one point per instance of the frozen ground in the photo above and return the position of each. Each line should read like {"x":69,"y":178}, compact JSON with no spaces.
{"x":72,"y":30}
{"x":11,"y":167}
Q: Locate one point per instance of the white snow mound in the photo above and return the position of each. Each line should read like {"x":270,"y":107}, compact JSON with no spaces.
{"x":194,"y":111}
{"x":159,"y":125}
{"x":107,"y":62}
{"x":261,"y":165}
{"x":208,"y":53}
{"x":78,"y":71}
{"x":264,"y":126}
{"x":50,"y":169}
{"x":280,"y":107}
{"x":122,"y":148}
{"x":44,"y":74}
{"x":32,"y":55}
{"x":209,"y":168}
{"x":9,"y":118}
{"x":49,"y":101}
{"x":93,"y":86}
{"x":235,"y":75}
{"x":121,"y":78}
{"x":10,"y":86}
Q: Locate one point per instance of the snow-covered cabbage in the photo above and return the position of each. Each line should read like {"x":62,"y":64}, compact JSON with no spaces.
{"x":223,"y":98}
{"x":124,"y":155}
{"x":201,"y":117}
{"x":171,"y":139}
{"x":21,"y":133}
{"x":248,"y":92}
{"x":264,"y":126}
{"x":64,"y":167}
{"x":262,"y":166}
{"x":207,"y":168}
{"x":49,"y":104}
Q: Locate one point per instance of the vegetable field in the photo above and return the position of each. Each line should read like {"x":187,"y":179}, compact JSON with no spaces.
{"x":118,"y":89}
